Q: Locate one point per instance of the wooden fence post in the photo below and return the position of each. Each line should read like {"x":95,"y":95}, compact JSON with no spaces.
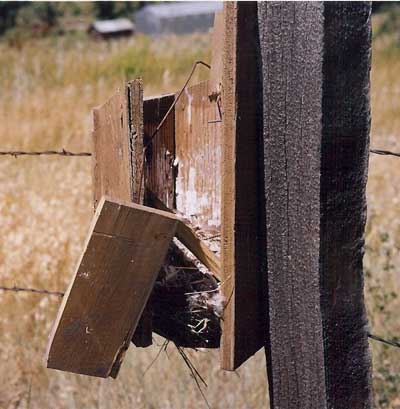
{"x":291,"y":46}
{"x":344,"y":164}
{"x":315,"y":66}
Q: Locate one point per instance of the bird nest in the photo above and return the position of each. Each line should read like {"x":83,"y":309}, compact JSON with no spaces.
{"x":186,"y":302}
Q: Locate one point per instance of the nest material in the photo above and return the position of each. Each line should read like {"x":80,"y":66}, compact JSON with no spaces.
{"x":186,"y":302}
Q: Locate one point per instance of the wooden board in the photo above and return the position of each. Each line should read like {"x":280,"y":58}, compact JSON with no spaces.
{"x":188,"y":237}
{"x":242,"y":240}
{"x":134,"y":98}
{"x":124,"y":252}
{"x":118,"y":161}
{"x":217,"y":42}
{"x":160,"y":153}
{"x":198,"y":157}
{"x":111,"y":153}
{"x":345,"y":144}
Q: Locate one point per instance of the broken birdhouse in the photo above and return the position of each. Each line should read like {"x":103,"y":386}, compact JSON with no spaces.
{"x":190,"y":157}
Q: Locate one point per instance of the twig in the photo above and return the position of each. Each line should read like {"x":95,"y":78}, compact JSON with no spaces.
{"x":62,"y":152}
{"x":162,"y":348}
{"x":380,"y":152}
{"x":385,"y":341}
{"x":32,"y":290}
{"x":194,"y":374}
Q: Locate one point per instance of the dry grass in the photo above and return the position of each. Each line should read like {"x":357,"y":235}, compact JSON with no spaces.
{"x":47,"y":90}
{"x":382,"y":260}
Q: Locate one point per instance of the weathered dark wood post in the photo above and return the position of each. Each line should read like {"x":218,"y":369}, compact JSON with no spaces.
{"x":315,"y":69}
{"x":344,"y":163}
{"x":291,"y":37}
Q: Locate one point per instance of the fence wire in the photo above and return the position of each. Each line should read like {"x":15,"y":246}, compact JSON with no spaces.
{"x":62,"y":152}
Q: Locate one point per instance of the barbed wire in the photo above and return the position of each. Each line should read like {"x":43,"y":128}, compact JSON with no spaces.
{"x":381,"y":152}
{"x":60,"y":294}
{"x":32,"y":290}
{"x":390,"y":342}
{"x":62,"y":152}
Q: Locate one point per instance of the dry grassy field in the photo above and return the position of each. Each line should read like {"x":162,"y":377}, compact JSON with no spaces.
{"x":48,"y":88}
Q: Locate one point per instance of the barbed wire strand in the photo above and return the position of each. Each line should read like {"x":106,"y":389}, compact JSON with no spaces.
{"x":61,"y":294}
{"x":31,"y":290}
{"x":62,"y":152}
{"x":381,"y":152}
{"x":383,"y":340}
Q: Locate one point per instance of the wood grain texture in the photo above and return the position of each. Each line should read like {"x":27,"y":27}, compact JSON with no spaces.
{"x":198,"y":156}
{"x":291,"y":39}
{"x":217,"y":43}
{"x":160,"y":153}
{"x":345,"y":144}
{"x":188,"y":237}
{"x":243,"y":321}
{"x":125,"y":248}
{"x":118,"y":161}
{"x":111,"y":152}
{"x":134,"y":97}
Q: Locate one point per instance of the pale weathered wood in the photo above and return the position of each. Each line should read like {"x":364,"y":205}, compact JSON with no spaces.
{"x":344,"y":159}
{"x":198,"y":157}
{"x":188,"y":237}
{"x":217,"y":44}
{"x":111,"y":153}
{"x":241,"y":253}
{"x":134,"y":97}
{"x":118,"y":145}
{"x":125,"y":249}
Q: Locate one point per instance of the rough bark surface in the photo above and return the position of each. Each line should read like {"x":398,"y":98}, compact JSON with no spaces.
{"x":344,"y":158}
{"x":291,"y":47}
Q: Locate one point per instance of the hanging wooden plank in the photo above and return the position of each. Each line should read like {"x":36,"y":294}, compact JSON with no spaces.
{"x":124,"y":251}
{"x":188,"y":237}
{"x":242,"y":249}
{"x":118,"y":161}
{"x":344,"y":165}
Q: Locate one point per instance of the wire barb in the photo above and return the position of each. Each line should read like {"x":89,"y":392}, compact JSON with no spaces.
{"x":16,"y":289}
{"x":62,"y":152}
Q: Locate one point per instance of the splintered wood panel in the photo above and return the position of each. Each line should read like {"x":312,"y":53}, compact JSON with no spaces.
{"x":345,"y":144}
{"x":134,"y":97}
{"x":111,"y":153}
{"x":160,"y":153}
{"x":242,"y":237}
{"x":124,"y":251}
{"x":198,"y":157}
